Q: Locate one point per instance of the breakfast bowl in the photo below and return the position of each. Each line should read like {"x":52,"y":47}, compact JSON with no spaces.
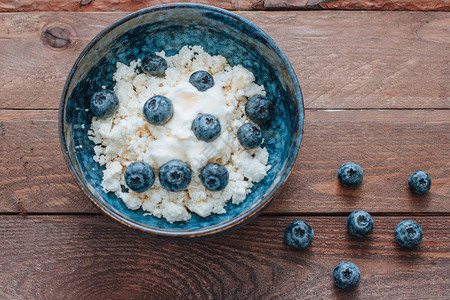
{"x":168,"y":28}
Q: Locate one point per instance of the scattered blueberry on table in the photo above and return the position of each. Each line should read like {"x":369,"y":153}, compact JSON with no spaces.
{"x":408,"y":234}
{"x":206,"y":127}
{"x":259,"y":109}
{"x":154,"y":65}
{"x":104,"y":104}
{"x":175,"y":175}
{"x":359,"y":223}
{"x":139,"y":176}
{"x":350,"y":175}
{"x":419,"y":182}
{"x":346,"y":275}
{"x":299,"y":234}
{"x":250,"y":136}
{"x":214,"y":177}
{"x":201,"y":80}
{"x":158,"y":110}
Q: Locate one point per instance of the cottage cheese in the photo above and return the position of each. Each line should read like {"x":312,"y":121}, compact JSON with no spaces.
{"x":127,"y":137}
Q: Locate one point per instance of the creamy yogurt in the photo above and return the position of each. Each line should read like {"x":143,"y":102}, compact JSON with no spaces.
{"x":176,"y":140}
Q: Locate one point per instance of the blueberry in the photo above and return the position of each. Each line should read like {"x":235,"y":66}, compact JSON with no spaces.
{"x":259,"y":109}
{"x":158,"y":110}
{"x":359,"y":223}
{"x":202,"y":80}
{"x":350,"y":175}
{"x":104,"y":104}
{"x":299,"y":234}
{"x":346,"y":275}
{"x":419,"y":182}
{"x":154,"y":65}
{"x":206,"y":127}
{"x":250,"y":135}
{"x":175,"y":176}
{"x":139,"y":176}
{"x":408,"y":234}
{"x":214,"y":177}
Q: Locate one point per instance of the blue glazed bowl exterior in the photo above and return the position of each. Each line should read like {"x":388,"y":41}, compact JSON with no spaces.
{"x":169,"y":28}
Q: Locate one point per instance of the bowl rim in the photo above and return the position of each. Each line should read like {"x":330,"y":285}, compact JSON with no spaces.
{"x":203,"y":232}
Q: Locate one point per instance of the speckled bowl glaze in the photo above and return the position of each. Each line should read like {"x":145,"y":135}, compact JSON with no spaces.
{"x":168,"y":28}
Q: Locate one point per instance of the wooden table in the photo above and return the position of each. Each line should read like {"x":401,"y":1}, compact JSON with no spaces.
{"x":376,"y":90}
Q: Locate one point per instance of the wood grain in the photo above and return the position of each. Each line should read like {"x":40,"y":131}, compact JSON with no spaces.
{"x":389,"y":145}
{"x":412,"y":5}
{"x":114,"y":5}
{"x":342,"y":59}
{"x":89,"y":257}
{"x":130,"y":5}
{"x":32,"y":166}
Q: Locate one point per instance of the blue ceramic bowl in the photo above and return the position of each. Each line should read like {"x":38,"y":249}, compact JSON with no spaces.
{"x":170,"y":27}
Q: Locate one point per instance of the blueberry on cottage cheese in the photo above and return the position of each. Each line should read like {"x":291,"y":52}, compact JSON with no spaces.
{"x":359,"y":223}
{"x":259,"y":109}
{"x":154,"y":65}
{"x":206,"y":127}
{"x":104,"y":104}
{"x":175,"y":176}
{"x":250,"y":136}
{"x":214,"y":177}
{"x":350,"y":175}
{"x":408,"y":234}
{"x":299,"y":234}
{"x":346,"y":275}
{"x":419,"y":182}
{"x":158,"y":110}
{"x":201,"y":80}
{"x":139,"y":176}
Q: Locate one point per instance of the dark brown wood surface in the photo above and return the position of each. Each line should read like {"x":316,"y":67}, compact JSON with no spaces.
{"x":343,"y":59}
{"x":376,"y":89}
{"x":89,"y":257}
{"x":132,"y":5}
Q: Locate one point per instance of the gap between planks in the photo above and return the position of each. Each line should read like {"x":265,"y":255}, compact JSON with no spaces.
{"x":306,"y":109}
{"x":263,"y":214}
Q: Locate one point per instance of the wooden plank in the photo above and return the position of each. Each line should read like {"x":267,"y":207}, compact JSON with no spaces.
{"x":342,"y":59}
{"x":413,"y":5}
{"x":130,"y":5}
{"x":73,"y":257}
{"x":113,"y":5}
{"x":32,"y":166}
{"x":389,"y":145}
